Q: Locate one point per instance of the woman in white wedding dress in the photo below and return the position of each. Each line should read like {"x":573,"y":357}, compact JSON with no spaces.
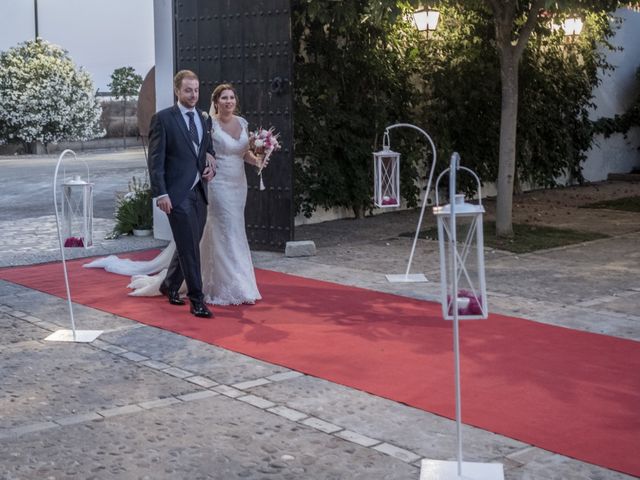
{"x":228,"y":277}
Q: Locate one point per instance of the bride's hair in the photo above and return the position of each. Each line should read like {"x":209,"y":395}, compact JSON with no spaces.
{"x":215,"y":96}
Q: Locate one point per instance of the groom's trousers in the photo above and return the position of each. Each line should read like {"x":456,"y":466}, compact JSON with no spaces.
{"x":187,"y":222}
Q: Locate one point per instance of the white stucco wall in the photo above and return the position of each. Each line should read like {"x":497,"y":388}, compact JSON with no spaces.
{"x":163,"y":40}
{"x":616,"y":92}
{"x":164,"y":61}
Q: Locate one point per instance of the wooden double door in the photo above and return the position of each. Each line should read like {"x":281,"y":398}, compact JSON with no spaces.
{"x":248,"y":43}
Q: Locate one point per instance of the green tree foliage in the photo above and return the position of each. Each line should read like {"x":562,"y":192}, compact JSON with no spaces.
{"x":514,"y":22}
{"x":353,"y":78}
{"x":361,"y":66}
{"x":460,"y":76}
{"x":125,"y":83}
{"x":44,"y":97}
{"x":557,"y":77}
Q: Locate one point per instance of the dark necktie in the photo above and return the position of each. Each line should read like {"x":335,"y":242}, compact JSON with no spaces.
{"x":193,"y":132}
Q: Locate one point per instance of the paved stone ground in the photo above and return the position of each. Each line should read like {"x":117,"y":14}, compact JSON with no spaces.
{"x":143,"y":403}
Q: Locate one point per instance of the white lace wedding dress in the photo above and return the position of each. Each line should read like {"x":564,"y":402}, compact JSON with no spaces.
{"x":228,"y":277}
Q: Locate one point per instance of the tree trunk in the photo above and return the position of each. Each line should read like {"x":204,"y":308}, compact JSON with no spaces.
{"x":507,"y":153}
{"x":124,"y":123}
{"x":505,"y":13}
{"x":35,"y":148}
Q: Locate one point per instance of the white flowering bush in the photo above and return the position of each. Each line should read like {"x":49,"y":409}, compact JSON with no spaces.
{"x":44,"y":97}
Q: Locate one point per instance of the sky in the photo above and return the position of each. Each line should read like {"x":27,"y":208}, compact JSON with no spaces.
{"x":100,"y":35}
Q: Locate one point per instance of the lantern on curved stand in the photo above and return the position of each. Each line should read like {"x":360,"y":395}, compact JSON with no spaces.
{"x":464,"y":296}
{"x":461,"y":244}
{"x":386,"y":176}
{"x":74,"y":222}
{"x":387,"y":192}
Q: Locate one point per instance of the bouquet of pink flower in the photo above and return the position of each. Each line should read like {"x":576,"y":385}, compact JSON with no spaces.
{"x":263,"y":142}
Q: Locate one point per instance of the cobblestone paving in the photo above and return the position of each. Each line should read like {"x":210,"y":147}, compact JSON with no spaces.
{"x":117,"y":409}
{"x":142,"y":403}
{"x":35,"y":240}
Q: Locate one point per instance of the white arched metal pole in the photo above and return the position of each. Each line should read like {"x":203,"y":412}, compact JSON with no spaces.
{"x":453,"y":249}
{"x":419,"y":277}
{"x":444,"y":470}
{"x":61,"y":241}
{"x":72,"y":335}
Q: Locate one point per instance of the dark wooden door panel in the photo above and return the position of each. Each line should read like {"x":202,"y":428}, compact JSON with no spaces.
{"x":248,"y":43}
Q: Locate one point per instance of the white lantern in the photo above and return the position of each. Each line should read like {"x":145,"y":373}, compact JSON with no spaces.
{"x":386,"y":176}
{"x":461,"y":242}
{"x":77,"y":212}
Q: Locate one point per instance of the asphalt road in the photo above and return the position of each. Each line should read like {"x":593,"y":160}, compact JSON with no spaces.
{"x":26,"y":182}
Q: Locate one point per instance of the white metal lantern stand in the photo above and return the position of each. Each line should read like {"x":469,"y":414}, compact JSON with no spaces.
{"x":408,"y":277}
{"x":74,"y":222}
{"x":386,"y":176}
{"x":458,"y":304}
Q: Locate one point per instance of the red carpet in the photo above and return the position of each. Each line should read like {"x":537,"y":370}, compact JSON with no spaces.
{"x":571,"y":392}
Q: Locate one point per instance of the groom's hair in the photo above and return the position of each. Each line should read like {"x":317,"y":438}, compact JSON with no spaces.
{"x":181,"y":75}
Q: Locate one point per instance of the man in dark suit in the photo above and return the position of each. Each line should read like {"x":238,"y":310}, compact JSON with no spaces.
{"x":179,"y":141}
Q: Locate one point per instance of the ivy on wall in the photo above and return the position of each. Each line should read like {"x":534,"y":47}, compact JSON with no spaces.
{"x":624,"y":122}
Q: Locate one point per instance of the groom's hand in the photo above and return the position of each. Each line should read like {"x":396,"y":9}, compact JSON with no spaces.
{"x":164,"y":204}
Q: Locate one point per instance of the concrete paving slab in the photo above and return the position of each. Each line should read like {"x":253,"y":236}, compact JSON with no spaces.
{"x":215,"y":363}
{"x":550,"y":466}
{"x":423,"y":433}
{"x":56,"y":310}
{"x":48,"y":380}
{"x":570,"y":275}
{"x":14,"y":330}
{"x":198,"y":440}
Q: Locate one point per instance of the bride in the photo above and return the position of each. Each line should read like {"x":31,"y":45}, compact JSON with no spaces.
{"x":228,"y":277}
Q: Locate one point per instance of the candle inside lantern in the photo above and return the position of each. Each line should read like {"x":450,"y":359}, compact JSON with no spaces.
{"x":463,"y":303}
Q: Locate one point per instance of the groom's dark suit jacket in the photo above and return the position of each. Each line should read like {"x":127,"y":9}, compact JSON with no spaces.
{"x":173,"y":160}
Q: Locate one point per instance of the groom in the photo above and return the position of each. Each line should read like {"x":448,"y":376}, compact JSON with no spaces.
{"x":179,"y":141}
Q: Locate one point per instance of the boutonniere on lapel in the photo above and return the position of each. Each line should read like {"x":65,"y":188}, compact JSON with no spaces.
{"x":207,"y":120}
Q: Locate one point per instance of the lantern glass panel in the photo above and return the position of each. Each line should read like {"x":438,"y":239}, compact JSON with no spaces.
{"x":471,"y":288}
{"x":77,"y":214}
{"x":386,"y":179}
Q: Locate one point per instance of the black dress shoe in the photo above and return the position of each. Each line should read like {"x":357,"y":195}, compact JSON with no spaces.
{"x":199,"y":309}
{"x":172,"y":295}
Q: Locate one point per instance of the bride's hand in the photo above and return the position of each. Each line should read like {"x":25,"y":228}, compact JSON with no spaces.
{"x":210,"y":168}
{"x":260,"y":163}
{"x":211,"y":161}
